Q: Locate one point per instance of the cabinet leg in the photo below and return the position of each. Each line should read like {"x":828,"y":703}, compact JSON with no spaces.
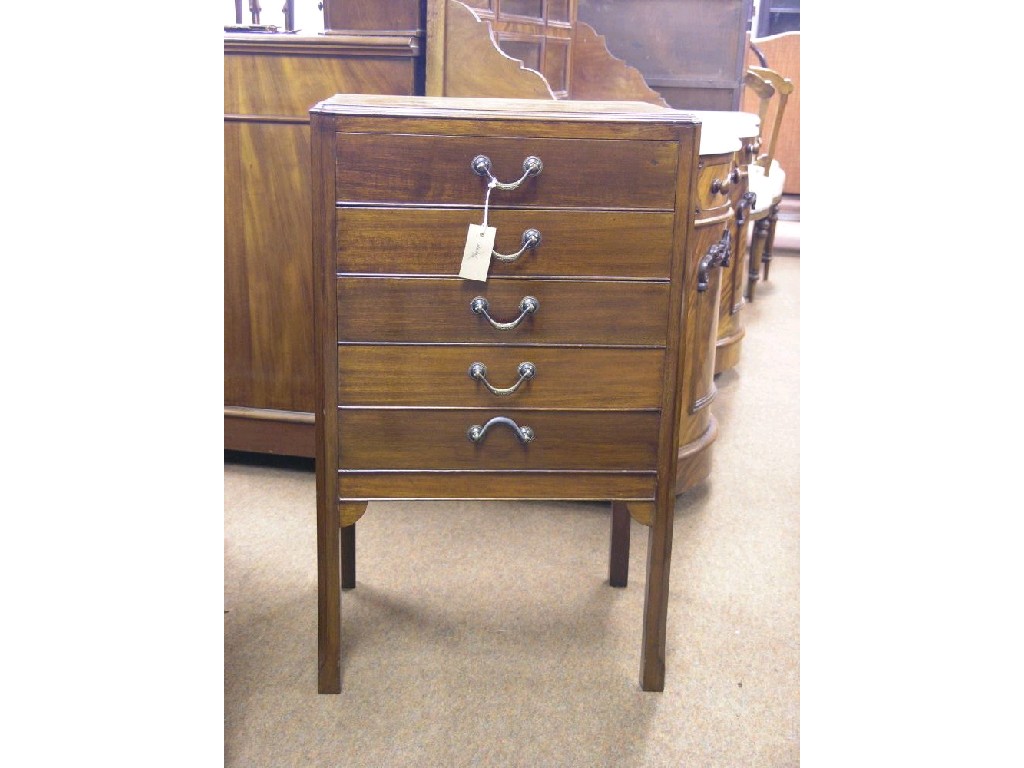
{"x":618,"y":561}
{"x":769,"y":241}
{"x":659,"y":559}
{"x":328,"y":552}
{"x":348,"y":556}
{"x":757,"y":248}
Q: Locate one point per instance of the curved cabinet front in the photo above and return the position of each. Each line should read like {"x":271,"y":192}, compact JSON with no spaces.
{"x":711,"y":253}
{"x":734,"y":276}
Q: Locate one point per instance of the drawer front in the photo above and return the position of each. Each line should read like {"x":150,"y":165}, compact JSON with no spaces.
{"x":714,"y":184}
{"x":577,"y":486}
{"x":429,"y":310}
{"x":423,"y":241}
{"x":395,"y":438}
{"x":436,"y":171}
{"x":585,"y":378}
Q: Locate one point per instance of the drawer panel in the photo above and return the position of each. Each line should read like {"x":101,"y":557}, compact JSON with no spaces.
{"x":436,"y":171}
{"x":394,"y":438}
{"x":590,"y":378}
{"x":596,"y":486}
{"x":437,"y":310}
{"x":592,"y":244}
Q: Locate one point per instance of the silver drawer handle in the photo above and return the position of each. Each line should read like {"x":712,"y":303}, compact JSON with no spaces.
{"x":478,"y":371}
{"x":527,"y":306}
{"x":531,"y":239}
{"x":717,"y":256}
{"x":481,"y":165}
{"x":476,"y":432}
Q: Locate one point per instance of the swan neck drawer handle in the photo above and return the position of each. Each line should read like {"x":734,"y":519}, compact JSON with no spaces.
{"x":526,"y":370}
{"x":531,"y":239}
{"x":476,"y":432}
{"x":527,"y":306}
{"x":481,"y":165}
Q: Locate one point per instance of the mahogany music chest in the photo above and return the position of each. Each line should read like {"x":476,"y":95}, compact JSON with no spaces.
{"x":499,"y":314}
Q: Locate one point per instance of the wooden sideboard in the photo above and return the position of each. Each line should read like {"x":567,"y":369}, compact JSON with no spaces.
{"x":270,"y":83}
{"x":558,"y":376}
{"x":744,"y":127}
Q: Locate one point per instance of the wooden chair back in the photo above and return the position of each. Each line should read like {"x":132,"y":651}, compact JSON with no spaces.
{"x":782,"y":54}
{"x":772,"y":91}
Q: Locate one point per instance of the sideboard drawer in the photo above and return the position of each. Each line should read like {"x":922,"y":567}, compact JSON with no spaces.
{"x":439,"y":376}
{"x":438,"y":310}
{"x":717,"y":175}
{"x":496,"y":484}
{"x":428,"y":241}
{"x":436,"y":171}
{"x":400,"y":439}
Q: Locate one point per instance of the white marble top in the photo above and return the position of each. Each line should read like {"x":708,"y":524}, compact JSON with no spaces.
{"x":717,"y":142}
{"x":721,"y":130}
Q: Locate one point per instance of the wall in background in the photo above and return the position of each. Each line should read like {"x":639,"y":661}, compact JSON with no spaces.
{"x":309,"y":18}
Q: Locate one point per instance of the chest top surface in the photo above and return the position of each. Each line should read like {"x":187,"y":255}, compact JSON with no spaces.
{"x":605,"y":111}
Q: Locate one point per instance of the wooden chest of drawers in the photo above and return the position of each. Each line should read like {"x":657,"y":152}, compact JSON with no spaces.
{"x":559,"y":376}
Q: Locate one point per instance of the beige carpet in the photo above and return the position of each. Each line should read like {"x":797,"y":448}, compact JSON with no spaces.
{"x":485,"y":634}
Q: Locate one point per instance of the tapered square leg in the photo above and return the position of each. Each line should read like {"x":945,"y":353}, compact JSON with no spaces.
{"x":329,"y":606}
{"x":618,"y":560}
{"x":659,"y":560}
{"x":348,"y":556}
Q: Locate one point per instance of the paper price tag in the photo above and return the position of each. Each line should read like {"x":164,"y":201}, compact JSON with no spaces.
{"x":476,"y":257}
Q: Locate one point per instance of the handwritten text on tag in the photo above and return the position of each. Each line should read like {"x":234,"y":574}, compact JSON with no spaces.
{"x":476,"y":257}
